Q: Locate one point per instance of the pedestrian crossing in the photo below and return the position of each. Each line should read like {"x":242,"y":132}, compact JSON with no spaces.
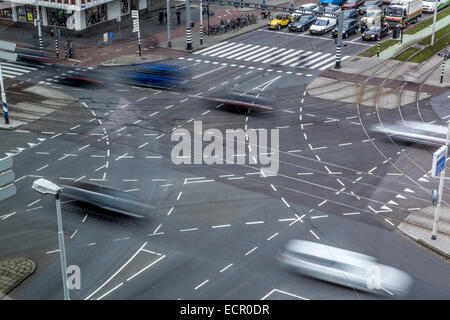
{"x":273,"y":55}
{"x":15,"y":69}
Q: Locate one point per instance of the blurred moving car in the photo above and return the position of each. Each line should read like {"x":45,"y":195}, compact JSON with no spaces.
{"x":373,"y":33}
{"x":302,"y":23}
{"x":344,"y":267}
{"x":281,"y":20}
{"x":83,"y":78}
{"x":322,"y":25}
{"x":34,"y":56}
{"x":107,"y":198}
{"x":155,"y":75}
{"x":416,"y":132}
{"x":350,"y":26}
{"x":246,"y":100}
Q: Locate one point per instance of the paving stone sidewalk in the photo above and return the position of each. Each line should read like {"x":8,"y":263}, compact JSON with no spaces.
{"x":13,"y":272}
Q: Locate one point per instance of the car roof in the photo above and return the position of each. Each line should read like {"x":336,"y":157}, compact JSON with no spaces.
{"x":327,"y":252}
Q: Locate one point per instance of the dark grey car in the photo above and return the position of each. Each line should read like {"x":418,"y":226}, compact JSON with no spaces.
{"x":302,"y":23}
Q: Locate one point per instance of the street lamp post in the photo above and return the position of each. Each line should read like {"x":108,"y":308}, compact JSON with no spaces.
{"x":44,"y":186}
{"x":5,"y":105}
{"x":434,"y":23}
{"x":201,"y":22}
{"x":169,"y":40}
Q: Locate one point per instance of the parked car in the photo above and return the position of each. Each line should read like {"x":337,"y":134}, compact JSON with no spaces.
{"x":345,"y":267}
{"x":351,"y":14}
{"x":281,"y":20}
{"x":352,"y":4}
{"x":373,"y":33}
{"x":367,"y":4}
{"x":307,"y":6}
{"x":302,"y":23}
{"x":322,"y":25}
{"x":350,"y":27}
{"x":332,"y":8}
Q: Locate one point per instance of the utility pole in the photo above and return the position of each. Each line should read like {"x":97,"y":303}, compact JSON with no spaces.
{"x":201,"y":22}
{"x":136,"y":27}
{"x":38,"y":21}
{"x":339,"y":41}
{"x":441,"y":187}
{"x":5,"y":106}
{"x":207,"y":11}
{"x":56,"y":34}
{"x":434,"y":23}
{"x":169,"y":40}
{"x":188,"y":26}
{"x":443,"y":63}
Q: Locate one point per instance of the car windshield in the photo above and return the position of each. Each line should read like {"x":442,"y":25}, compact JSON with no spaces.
{"x":396,"y":12}
{"x":320,"y":22}
{"x":330,"y":9}
{"x":374,"y":28}
{"x":370,"y":3}
{"x":350,"y":1}
{"x":371,"y":14}
{"x":279,"y":16}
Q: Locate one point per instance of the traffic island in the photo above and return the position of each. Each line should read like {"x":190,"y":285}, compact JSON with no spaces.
{"x":12,"y":125}
{"x":419,"y":224}
{"x":13,"y":272}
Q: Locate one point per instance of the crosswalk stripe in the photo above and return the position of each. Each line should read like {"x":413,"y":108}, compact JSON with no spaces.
{"x":253,"y":52}
{"x":332,"y":64}
{"x":218,"y":50}
{"x":15,"y":69}
{"x":306,"y":58}
{"x":296,"y":58}
{"x":238,"y":48}
{"x":278,"y":55}
{"x":222,"y":50}
{"x":11,"y":72}
{"x":277,"y":52}
{"x":288,"y":56}
{"x":261,"y":53}
{"x":249,"y":48}
{"x":7,"y":75}
{"x":210,"y":48}
{"x":327,"y":60}
{"x":316,"y":59}
{"x":22,"y":66}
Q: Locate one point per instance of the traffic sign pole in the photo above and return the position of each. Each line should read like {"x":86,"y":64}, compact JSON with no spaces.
{"x":136,"y":28}
{"x":5,"y":105}
{"x":169,"y":41}
{"x":441,"y":187}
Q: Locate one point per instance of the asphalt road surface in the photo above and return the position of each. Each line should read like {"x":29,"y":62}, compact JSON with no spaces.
{"x":218,"y":228}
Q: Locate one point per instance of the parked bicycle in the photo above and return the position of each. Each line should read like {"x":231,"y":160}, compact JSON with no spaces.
{"x":233,"y":24}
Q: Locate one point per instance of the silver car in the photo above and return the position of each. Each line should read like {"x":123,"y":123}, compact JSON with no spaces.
{"x":344,"y":267}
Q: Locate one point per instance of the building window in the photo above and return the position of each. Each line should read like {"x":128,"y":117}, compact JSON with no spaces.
{"x":57,"y":16}
{"x":6,"y":13}
{"x":124,"y":6}
{"x":95,"y":14}
{"x":26,"y":13}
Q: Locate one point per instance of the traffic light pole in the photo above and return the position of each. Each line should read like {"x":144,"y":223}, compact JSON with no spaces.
{"x":38,"y":21}
{"x":169,"y":40}
{"x":188,"y":26}
{"x":201,"y":22}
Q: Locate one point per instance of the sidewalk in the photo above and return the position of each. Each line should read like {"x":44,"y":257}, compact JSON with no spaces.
{"x":419,"y":224}
{"x":12,"y":273}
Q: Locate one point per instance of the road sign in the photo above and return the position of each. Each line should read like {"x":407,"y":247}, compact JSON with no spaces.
{"x":438,"y":161}
{"x":134,"y":14}
{"x":135,"y":25}
{"x":105,"y":37}
{"x":111,"y":35}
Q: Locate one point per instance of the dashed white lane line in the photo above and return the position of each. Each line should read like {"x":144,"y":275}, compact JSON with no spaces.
{"x":389,"y":222}
{"x":254,"y":222}
{"x":190,"y":229}
{"x":170,"y":211}
{"x":285,"y":202}
{"x":228,"y":266}
{"x":34,"y":202}
{"x":5,"y":216}
{"x":201,"y":284}
{"x":350,"y":213}
{"x":179,"y":195}
{"x":272,"y":236}
{"x":85,"y":217}
{"x":250,"y":251}
{"x":221,"y":226}
{"x":41,"y":168}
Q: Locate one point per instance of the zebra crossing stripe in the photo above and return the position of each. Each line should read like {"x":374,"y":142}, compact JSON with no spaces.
{"x":270,"y":54}
{"x":219,"y":48}
{"x":261,"y":53}
{"x":15,"y":69}
{"x":229,"y":51}
{"x":253,"y":52}
{"x":322,"y":62}
{"x":316,"y":59}
{"x":289,"y":56}
{"x":278,"y":55}
{"x":305,"y":58}
{"x":332,"y":64}
{"x":241,"y":52}
{"x":22,"y":66}
{"x":301,"y":54}
{"x":210,"y":48}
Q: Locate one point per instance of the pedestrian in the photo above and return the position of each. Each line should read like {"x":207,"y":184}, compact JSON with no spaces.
{"x":165,"y":16}
{"x":178,"y":16}
{"x":161,"y":17}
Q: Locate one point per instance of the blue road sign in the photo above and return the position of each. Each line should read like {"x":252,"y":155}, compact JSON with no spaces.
{"x":439,"y":158}
{"x":111,"y":35}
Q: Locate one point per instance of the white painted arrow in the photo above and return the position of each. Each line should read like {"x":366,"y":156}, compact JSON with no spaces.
{"x":3,"y":217}
{"x":424,"y":180}
{"x":393,"y":202}
{"x":408,"y":190}
{"x":400,"y":196}
{"x":41,"y":139}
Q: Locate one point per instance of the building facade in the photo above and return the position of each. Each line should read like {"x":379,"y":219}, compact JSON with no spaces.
{"x":71,"y":14}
